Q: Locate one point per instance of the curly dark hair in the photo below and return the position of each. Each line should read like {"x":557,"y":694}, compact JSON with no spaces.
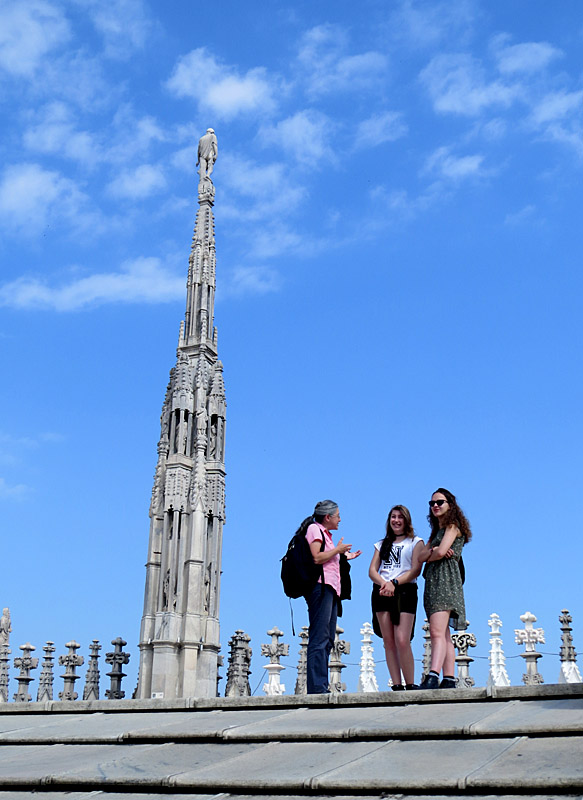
{"x":385,"y":550}
{"x":455,"y":516}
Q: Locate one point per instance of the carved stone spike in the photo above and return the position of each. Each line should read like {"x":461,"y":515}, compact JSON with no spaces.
{"x":367,"y":681}
{"x":569,"y":672}
{"x":25,"y":663}
{"x":46,"y":678}
{"x":302,"y":679}
{"x":239,"y":666}
{"x":117,"y":659}
{"x":274,"y":652}
{"x":70,"y":661}
{"x":426,"y":650}
{"x":462,"y":642}
{"x":91,"y":689}
{"x":497,"y":674}
{"x":336,"y":666}
{"x":530,"y":637}
{"x":220,"y":662}
{"x":4,"y":673}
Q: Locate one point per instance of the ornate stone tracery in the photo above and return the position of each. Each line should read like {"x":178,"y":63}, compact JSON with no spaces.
{"x":179,"y":639}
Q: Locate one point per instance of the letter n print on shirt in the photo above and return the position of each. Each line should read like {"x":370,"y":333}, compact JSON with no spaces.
{"x":394,"y":557}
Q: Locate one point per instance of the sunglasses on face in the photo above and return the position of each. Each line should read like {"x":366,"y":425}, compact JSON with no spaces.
{"x":436,"y":503}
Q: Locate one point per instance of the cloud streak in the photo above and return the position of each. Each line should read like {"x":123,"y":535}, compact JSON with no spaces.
{"x":224,"y":91}
{"x":143,"y":280}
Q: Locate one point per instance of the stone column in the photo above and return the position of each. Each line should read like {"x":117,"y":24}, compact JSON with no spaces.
{"x":117,"y":659}
{"x":462,"y":642}
{"x":367,"y":681}
{"x":71,"y":661}
{"x":91,"y":689}
{"x":47,"y":678}
{"x":530,"y":637}
{"x":426,"y":650}
{"x":302,"y":679}
{"x":336,"y":666}
{"x":274,"y":651}
{"x":569,"y":672}
{"x":497,"y":674}
{"x":239,"y":666}
{"x":5,"y":652}
{"x":25,"y":663}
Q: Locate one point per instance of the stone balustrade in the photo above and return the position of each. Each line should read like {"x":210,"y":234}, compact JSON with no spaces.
{"x":240,"y":656}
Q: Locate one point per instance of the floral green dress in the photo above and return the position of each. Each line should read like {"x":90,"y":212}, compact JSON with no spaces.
{"x":443,"y":585}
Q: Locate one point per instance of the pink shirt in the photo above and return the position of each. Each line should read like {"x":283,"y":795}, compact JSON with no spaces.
{"x":332,"y":566}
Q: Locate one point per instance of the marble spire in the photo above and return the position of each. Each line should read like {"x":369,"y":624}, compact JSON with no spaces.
{"x":179,"y":639}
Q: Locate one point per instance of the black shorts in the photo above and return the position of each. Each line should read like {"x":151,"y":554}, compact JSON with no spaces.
{"x":404,"y":599}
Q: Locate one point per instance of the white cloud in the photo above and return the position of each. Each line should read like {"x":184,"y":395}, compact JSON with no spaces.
{"x":141,"y":182}
{"x":380,"y":128}
{"x":255,"y":280}
{"x":329,"y":68}
{"x":54,"y":132}
{"x":29,"y":29}
{"x":304,"y":136}
{"x":14,"y":492}
{"x":518,"y":217}
{"x":276,"y":238}
{"x":219,"y":89}
{"x":426,"y":24}
{"x":527,"y":57}
{"x":124,"y":25}
{"x":557,"y":105}
{"x":143,"y":280}
{"x":131,"y":138}
{"x":32,"y":197}
{"x":267,"y":190}
{"x":456,"y":83}
{"x":571,"y":136}
{"x":185,"y":159}
{"x":442,"y":163}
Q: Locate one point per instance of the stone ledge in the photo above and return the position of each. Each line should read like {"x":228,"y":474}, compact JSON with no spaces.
{"x":554,"y":690}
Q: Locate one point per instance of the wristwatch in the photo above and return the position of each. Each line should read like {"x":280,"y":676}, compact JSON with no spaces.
{"x":395,"y":582}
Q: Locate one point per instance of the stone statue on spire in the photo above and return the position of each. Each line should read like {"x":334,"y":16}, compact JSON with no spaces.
{"x":207,"y":154}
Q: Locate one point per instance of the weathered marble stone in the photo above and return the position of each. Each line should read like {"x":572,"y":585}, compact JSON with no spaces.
{"x":569,"y":672}
{"x":339,"y":648}
{"x":530,"y":637}
{"x":47,"y":678}
{"x":274,"y":651}
{"x":302,"y":678}
{"x":239,"y":666}
{"x":497,"y":674}
{"x":179,"y":638}
{"x":367,"y":681}
{"x":70,"y":661}
{"x":25,"y":663}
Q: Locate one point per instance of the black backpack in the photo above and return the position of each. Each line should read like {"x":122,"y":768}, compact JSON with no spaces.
{"x":299,"y":574}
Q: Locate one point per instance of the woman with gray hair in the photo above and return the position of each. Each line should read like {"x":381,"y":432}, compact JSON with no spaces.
{"x":324,"y":599}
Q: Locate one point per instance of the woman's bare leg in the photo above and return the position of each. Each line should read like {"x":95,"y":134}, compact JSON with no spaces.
{"x":438,"y":631}
{"x":388,"y":632}
{"x":449,"y":660}
{"x":402,"y":636}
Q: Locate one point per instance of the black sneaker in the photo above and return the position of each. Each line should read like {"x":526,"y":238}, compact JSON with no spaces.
{"x":447,"y":683}
{"x":398,"y":687}
{"x":430,"y":682}
{"x":411,"y":686}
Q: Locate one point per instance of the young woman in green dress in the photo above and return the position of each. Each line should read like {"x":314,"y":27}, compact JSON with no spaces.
{"x":443,"y":597}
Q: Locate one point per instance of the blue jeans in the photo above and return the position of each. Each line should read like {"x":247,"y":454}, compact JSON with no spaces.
{"x":322,"y":611}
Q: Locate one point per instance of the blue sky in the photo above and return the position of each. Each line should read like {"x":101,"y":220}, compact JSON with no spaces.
{"x":398,"y":200}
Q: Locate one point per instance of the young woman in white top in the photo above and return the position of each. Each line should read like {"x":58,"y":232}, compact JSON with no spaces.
{"x":393,"y":570}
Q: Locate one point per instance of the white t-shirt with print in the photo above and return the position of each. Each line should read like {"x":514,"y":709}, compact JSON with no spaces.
{"x":400,"y":558}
